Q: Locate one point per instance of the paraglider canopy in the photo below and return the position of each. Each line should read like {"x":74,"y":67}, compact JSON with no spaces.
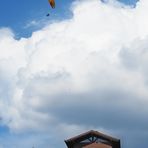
{"x":52,"y":3}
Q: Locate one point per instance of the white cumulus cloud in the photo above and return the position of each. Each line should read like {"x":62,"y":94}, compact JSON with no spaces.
{"x":89,"y":71}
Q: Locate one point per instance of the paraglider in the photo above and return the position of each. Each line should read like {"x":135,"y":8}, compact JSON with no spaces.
{"x":52,"y":3}
{"x":48,"y":14}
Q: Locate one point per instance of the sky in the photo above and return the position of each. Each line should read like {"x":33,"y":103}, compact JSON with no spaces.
{"x":25,"y":17}
{"x":83,"y":67}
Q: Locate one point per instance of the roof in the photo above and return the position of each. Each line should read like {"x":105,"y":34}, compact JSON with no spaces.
{"x":113,"y":141}
{"x":89,"y":134}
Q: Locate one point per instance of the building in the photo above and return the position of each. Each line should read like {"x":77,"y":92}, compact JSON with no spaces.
{"x":93,"y":139}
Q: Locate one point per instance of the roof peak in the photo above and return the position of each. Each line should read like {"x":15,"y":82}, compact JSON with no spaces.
{"x":92,"y":136}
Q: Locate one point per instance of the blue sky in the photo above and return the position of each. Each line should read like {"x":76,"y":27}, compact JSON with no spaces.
{"x":16,"y":14}
{"x":83,"y":67}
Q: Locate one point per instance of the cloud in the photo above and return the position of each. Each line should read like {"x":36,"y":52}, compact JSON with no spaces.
{"x":86,"y":72}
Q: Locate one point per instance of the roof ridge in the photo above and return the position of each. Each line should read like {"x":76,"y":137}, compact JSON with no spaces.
{"x":101,"y":135}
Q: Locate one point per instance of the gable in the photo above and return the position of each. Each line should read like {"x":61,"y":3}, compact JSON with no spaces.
{"x":95,"y":138}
